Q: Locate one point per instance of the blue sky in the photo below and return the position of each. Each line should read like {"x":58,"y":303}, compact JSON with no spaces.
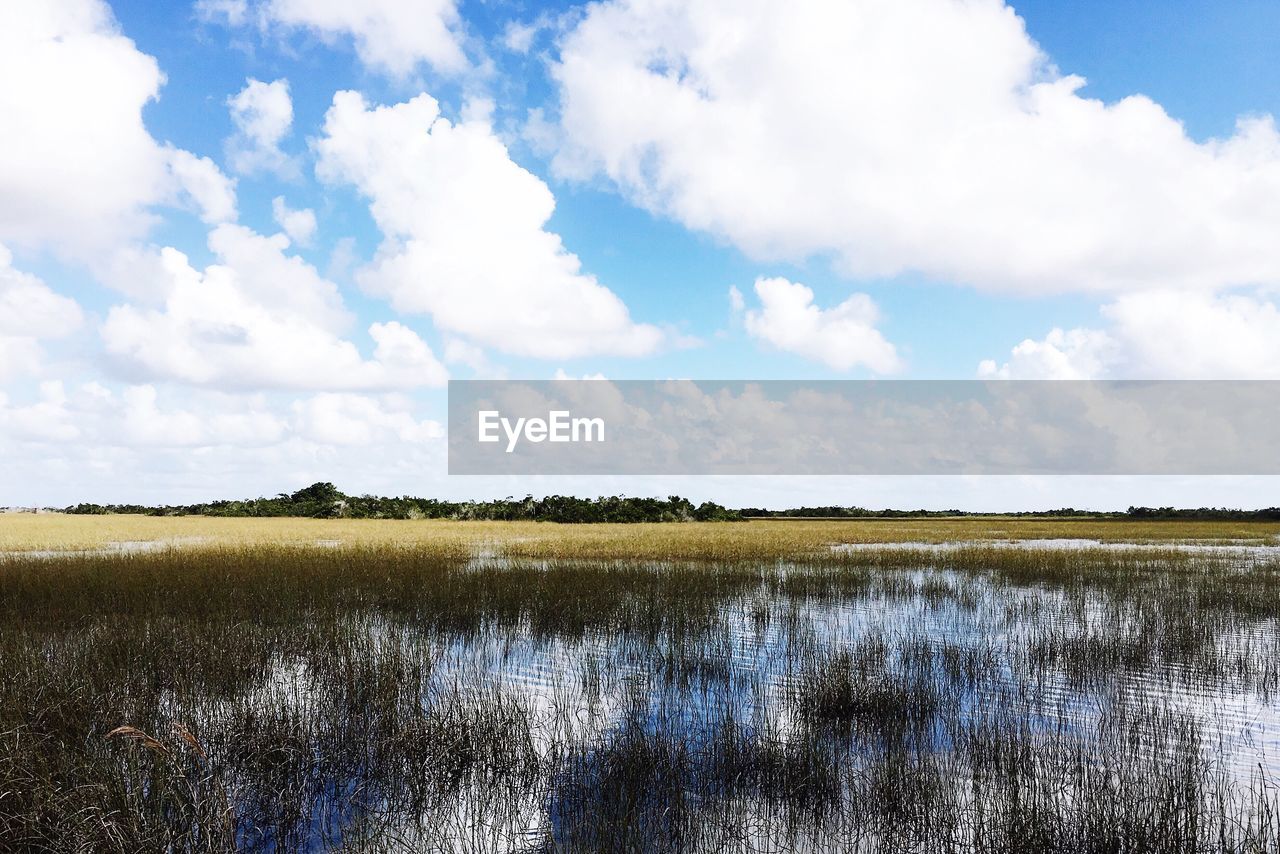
{"x":853,"y":188}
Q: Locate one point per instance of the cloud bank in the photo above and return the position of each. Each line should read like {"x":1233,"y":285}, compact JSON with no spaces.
{"x":908,"y":135}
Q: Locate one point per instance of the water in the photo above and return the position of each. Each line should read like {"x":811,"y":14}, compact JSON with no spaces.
{"x":1238,"y":548}
{"x":1072,"y":672}
{"x":1089,"y":698}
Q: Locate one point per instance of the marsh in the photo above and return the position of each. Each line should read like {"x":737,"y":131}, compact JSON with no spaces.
{"x":510,"y":693}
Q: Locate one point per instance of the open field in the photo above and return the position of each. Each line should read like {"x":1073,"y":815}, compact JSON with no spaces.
{"x":756,"y":539}
{"x":486,"y":687}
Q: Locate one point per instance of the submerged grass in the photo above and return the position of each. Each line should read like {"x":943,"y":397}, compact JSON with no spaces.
{"x":411,"y":696}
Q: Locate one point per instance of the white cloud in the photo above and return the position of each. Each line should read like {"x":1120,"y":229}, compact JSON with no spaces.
{"x":137,"y":271}
{"x":29,"y":311}
{"x":561,"y":375}
{"x":83,"y":172}
{"x":233,"y":12}
{"x":737,"y":302}
{"x":518,"y":37}
{"x":45,"y":419}
{"x":204,"y":184}
{"x":263,"y":116}
{"x":283,"y":283}
{"x":19,"y":357}
{"x":349,"y":419}
{"x":1076,"y":354}
{"x":28,"y":308}
{"x":1158,"y":335}
{"x":463,"y":352}
{"x":65,"y":69}
{"x":259,"y":319}
{"x":300,"y":224}
{"x":1198,"y":336}
{"x":842,"y":337}
{"x":460,"y":352}
{"x":898,"y":135}
{"x":70,"y":443}
{"x":342,"y":258}
{"x":136,"y":416}
{"x":465,"y":236}
{"x":391,"y":36}
{"x":405,"y":357}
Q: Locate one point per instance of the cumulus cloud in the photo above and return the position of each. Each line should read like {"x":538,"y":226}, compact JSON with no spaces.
{"x":29,"y":311}
{"x":259,"y":319}
{"x":899,"y":135}
{"x":1076,"y":354}
{"x":84,"y":172}
{"x":263,"y":116}
{"x":1158,"y":335}
{"x":842,"y":337}
{"x":465,"y":234}
{"x":299,"y":224}
{"x":64,"y":68}
{"x":393,"y":37}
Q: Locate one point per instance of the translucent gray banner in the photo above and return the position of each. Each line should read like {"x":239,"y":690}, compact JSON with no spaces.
{"x":863,"y":427}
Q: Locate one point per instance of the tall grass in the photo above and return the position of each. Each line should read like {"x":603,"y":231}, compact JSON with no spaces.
{"x":759,"y":539}
{"x":392,"y":697}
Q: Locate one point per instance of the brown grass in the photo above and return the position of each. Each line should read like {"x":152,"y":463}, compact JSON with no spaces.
{"x":756,"y":539}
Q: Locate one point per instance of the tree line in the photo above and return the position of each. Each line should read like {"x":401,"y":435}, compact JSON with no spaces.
{"x":324,"y":500}
{"x":1269,"y":514}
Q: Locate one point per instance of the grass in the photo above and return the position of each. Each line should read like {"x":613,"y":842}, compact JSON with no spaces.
{"x":724,"y":688}
{"x":760,"y":539}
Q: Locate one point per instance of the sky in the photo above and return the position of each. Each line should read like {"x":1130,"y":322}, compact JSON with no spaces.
{"x":246,"y":243}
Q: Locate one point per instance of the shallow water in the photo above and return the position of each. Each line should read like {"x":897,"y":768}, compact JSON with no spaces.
{"x":1246,"y":722}
{"x":584,"y":698}
{"x":1061,"y":704}
{"x":114,"y":547}
{"x":1240,"y":548}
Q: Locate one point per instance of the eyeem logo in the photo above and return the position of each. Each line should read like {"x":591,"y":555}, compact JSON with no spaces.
{"x":558,"y":426}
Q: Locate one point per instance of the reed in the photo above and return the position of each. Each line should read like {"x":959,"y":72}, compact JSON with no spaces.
{"x":464,"y":695}
{"x":759,"y":539}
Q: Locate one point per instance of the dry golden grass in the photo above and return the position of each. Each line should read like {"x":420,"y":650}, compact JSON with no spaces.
{"x":61,"y":532}
{"x":757,"y":539}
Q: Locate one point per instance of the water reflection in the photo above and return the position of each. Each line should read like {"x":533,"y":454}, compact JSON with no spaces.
{"x":808,"y":709}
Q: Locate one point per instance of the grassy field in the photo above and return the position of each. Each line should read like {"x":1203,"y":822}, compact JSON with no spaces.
{"x":755,"y":539}
{"x":731,"y":687}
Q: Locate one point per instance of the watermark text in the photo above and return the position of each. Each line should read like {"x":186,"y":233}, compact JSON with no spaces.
{"x":558,"y":426}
